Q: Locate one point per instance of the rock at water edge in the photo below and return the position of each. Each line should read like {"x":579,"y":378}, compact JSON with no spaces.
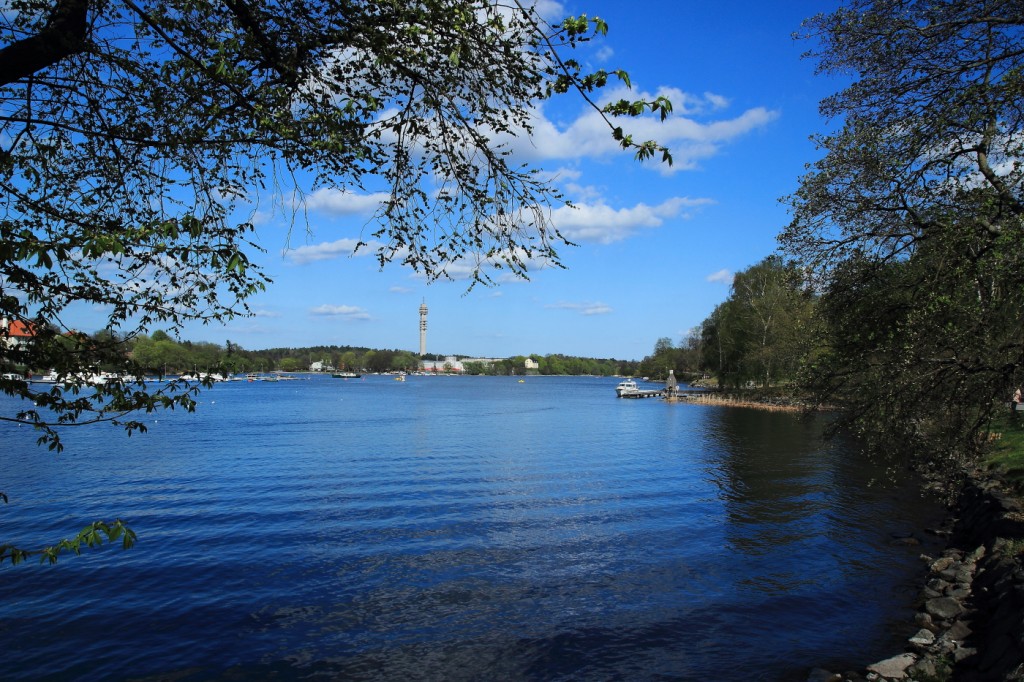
{"x":945,"y":608}
{"x":894,"y":668}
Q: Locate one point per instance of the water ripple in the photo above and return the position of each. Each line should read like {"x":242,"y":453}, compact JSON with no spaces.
{"x":454,"y":529}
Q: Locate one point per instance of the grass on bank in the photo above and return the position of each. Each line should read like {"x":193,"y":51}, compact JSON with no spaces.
{"x":1006,"y":449}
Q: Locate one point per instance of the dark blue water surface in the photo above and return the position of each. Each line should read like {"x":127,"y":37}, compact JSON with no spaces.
{"x":454,"y":528}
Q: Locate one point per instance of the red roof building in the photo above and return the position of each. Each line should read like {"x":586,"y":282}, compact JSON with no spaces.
{"x":20,"y":329}
{"x":16,"y":332}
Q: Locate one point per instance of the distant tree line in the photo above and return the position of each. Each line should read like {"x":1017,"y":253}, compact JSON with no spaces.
{"x":160,"y":354}
{"x":556,"y":364}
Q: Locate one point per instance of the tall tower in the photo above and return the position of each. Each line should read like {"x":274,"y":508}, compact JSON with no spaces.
{"x":423,"y":328}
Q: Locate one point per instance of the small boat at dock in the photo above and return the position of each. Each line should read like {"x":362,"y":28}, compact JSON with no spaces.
{"x":626,"y":387}
{"x":630,"y":389}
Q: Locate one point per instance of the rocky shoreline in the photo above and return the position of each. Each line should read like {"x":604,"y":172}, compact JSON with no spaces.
{"x":970,"y":619}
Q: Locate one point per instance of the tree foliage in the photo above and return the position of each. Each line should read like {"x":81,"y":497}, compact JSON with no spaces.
{"x":136,"y":137}
{"x":933,"y":114}
{"x":911,"y":220}
{"x":758,"y":333}
{"x":921,"y":351}
{"x":683,"y":360}
{"x":95,"y":534}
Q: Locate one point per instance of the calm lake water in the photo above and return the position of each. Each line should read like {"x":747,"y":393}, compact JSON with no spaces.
{"x":455,"y":528}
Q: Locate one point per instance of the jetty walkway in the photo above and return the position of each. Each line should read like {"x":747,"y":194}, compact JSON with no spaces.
{"x":662,"y":393}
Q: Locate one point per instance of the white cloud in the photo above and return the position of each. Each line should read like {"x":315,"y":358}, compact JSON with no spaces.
{"x":604,"y":53}
{"x":689,"y":139}
{"x":689,"y":104}
{"x":348,"y":312}
{"x":697,"y":129}
{"x":259,"y":218}
{"x":400,"y":290}
{"x":549,"y":9}
{"x":603,"y":224}
{"x":323,"y":251}
{"x":717,"y":101}
{"x":343,"y":202}
{"x":265,"y":313}
{"x":723,"y":276}
{"x":595,"y":223}
{"x":463,"y":268}
{"x":565,"y":173}
{"x":583,"y":308}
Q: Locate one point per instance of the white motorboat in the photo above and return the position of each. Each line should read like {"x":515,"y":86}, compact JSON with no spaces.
{"x":626,"y":387}
{"x":203,"y":376}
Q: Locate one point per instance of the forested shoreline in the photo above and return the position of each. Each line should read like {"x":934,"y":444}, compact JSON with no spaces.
{"x":160,"y":354}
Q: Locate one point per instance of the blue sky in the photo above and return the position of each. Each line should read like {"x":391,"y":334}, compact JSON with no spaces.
{"x":657,"y":248}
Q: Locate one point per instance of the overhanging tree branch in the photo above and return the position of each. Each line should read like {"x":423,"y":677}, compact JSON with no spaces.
{"x":136,"y":135}
{"x":65,"y":33}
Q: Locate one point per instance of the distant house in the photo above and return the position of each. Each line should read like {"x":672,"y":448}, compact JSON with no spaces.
{"x":321,"y":366}
{"x":532,"y":364}
{"x":15,"y":333}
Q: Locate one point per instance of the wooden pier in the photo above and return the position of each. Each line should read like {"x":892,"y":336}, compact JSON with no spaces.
{"x":628,"y":389}
{"x":642,"y":393}
{"x":662,"y":393}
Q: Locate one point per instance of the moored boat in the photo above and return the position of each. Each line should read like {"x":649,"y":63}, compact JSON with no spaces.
{"x":626,"y":387}
{"x":203,"y":376}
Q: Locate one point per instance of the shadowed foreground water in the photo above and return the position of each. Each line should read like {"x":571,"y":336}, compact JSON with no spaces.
{"x":459,"y":528}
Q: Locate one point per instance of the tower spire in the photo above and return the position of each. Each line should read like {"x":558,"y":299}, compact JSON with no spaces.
{"x":423,"y":328}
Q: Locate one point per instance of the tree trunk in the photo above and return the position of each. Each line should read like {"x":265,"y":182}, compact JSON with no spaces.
{"x":65,"y":34}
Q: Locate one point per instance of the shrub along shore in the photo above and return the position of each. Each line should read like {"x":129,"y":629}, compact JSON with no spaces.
{"x":757,"y":402}
{"x":774,"y":399}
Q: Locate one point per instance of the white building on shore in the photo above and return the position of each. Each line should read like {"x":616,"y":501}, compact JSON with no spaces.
{"x":450,"y":365}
